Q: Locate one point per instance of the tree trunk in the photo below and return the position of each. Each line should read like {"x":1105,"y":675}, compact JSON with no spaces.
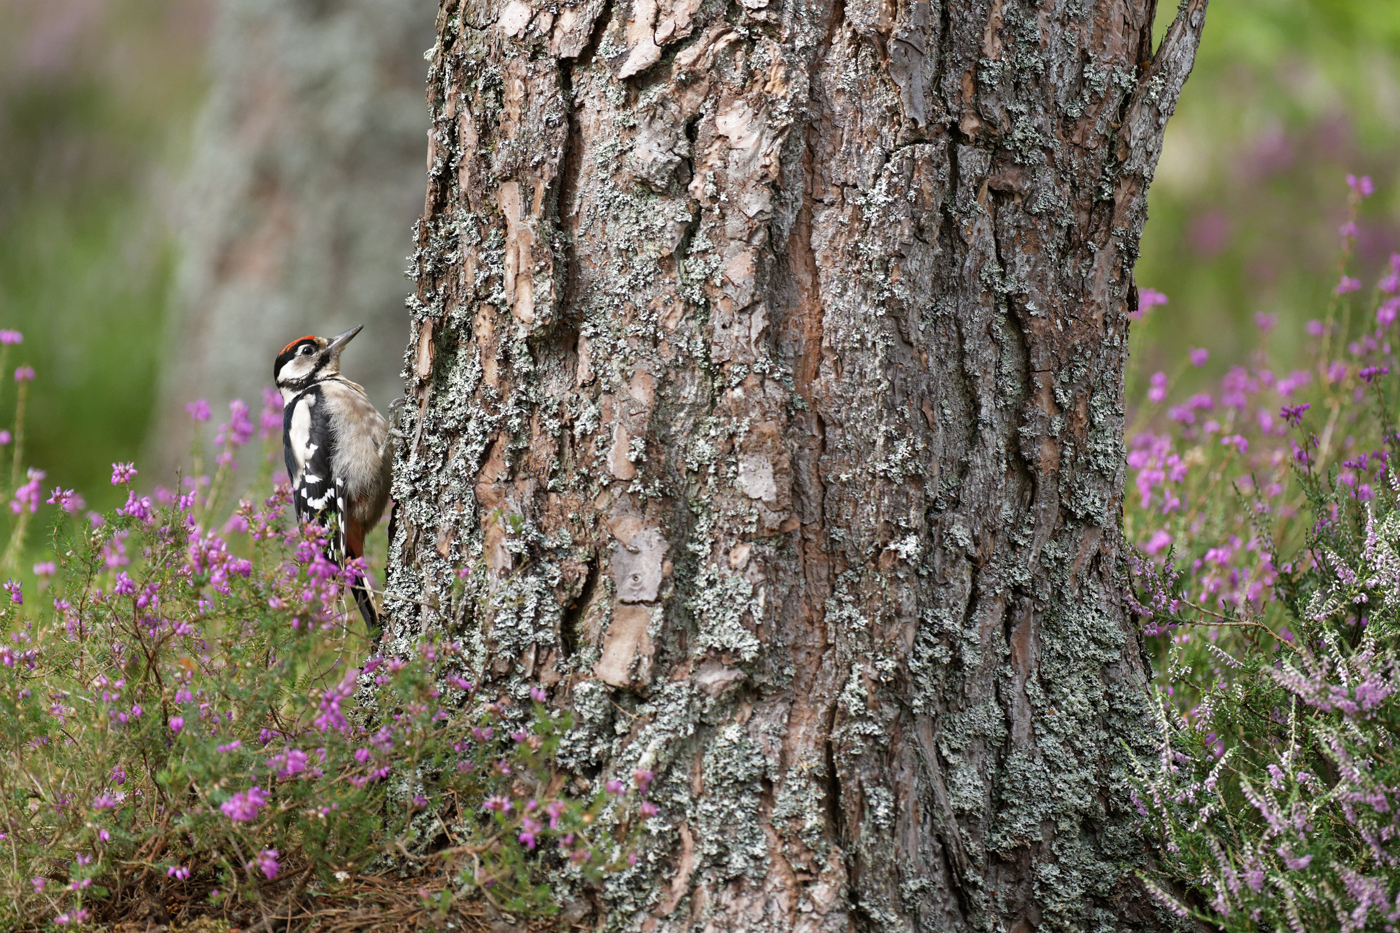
{"x":306,"y":174}
{"x":768,"y":387}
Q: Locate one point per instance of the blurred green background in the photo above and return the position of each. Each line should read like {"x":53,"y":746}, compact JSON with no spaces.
{"x":96,"y":102}
{"x":98,"y":98}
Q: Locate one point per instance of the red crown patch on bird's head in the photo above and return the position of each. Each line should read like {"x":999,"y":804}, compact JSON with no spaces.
{"x":297,"y":341}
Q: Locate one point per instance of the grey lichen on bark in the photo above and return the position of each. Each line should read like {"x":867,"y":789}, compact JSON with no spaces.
{"x":767,"y":392}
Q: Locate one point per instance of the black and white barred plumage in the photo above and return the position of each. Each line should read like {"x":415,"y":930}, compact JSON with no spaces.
{"x":337,"y":446}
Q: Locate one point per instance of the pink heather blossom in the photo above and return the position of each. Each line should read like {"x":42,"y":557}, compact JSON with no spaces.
{"x":1148,"y":299}
{"x":239,"y":428}
{"x":1158,"y":391}
{"x":198,"y":409}
{"x":28,"y":494}
{"x":45,"y":568}
{"x":24,"y":374}
{"x":177,"y":723}
{"x":243,"y":807}
{"x":1159,"y":541}
{"x":179,"y":872}
{"x":614,"y":786}
{"x":1362,"y":186}
{"x":16,"y":593}
{"x":106,"y":801}
{"x":8,"y":337}
{"x":530,"y":828}
{"x":538,"y":694}
{"x":647,"y":808}
{"x":1346,"y":285}
{"x":138,"y":507}
{"x":271,"y":420}
{"x":1314,"y":328}
{"x":1199,"y":356}
{"x":1387,"y":312}
{"x":265,"y":862}
{"x":123,"y":473}
{"x":1347,"y":230}
{"x":497,"y":805}
{"x":231,"y":746}
{"x":330,"y":716}
{"x":288,"y":764}
{"x":1265,"y":322}
{"x":68,"y":500}
{"x":1391,"y":280}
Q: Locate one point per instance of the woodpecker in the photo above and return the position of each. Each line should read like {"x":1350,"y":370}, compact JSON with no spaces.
{"x":338,"y":448}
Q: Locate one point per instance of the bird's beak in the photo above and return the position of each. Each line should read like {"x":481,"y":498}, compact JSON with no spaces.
{"x":338,"y":343}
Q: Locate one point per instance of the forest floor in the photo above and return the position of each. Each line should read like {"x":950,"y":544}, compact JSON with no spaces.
{"x":369,"y":902}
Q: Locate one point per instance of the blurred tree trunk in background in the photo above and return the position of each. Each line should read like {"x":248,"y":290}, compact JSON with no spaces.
{"x":306,"y":177}
{"x":767,"y":385}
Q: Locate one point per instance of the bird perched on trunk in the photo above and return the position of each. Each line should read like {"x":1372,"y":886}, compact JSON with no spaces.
{"x":338,"y":449}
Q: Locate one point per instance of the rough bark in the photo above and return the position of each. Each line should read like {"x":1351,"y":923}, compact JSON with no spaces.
{"x":295,"y":215}
{"x":767,"y":385}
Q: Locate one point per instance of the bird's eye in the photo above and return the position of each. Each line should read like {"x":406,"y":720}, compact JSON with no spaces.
{"x":306,"y":350}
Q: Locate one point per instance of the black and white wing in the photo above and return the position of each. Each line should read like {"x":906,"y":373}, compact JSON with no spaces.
{"x":310,"y":451}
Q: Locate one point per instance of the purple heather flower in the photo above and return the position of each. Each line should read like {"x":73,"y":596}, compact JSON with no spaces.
{"x":614,"y":786}
{"x":106,"y":801}
{"x":538,"y":694}
{"x":11,"y":336}
{"x":15,"y":591}
{"x":1293,"y":414}
{"x":198,"y":409}
{"x":123,"y":473}
{"x":271,"y":414}
{"x":266,"y":862}
{"x":647,"y":808}
{"x":1388,"y":311}
{"x":1362,"y":186}
{"x":1159,"y":541}
{"x":239,"y":428}
{"x":179,"y":872}
{"x":1199,"y":356}
{"x":28,"y":494}
{"x":1371,"y":372}
{"x":243,"y":807}
{"x":24,"y":374}
{"x":177,"y":723}
{"x":1347,"y":285}
{"x":1265,"y":322}
{"x":1149,"y":298}
{"x":138,"y":507}
{"x":1314,"y":328}
{"x":498,"y":804}
{"x":1158,"y":391}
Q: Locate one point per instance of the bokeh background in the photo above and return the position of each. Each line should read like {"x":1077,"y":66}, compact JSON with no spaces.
{"x":185,"y":185}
